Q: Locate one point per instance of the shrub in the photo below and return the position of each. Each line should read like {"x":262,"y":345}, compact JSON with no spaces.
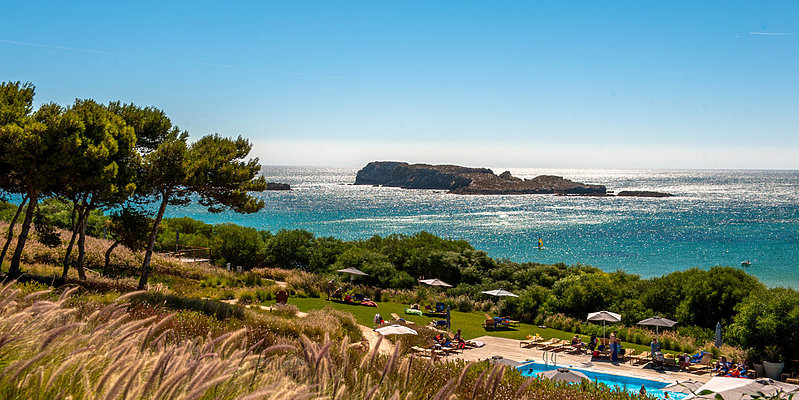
{"x":246,"y":297}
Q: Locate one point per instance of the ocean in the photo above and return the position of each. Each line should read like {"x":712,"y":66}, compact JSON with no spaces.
{"x":717,"y":217}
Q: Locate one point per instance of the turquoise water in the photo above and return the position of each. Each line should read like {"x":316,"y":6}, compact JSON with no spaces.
{"x":718,"y":217}
{"x":628,"y":383}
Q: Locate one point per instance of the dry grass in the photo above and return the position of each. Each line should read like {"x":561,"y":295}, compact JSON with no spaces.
{"x":50,"y":349}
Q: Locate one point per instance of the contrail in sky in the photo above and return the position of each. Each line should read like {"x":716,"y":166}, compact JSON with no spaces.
{"x":202,"y":63}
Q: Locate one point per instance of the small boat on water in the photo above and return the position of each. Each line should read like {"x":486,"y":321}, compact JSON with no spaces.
{"x":746,"y":263}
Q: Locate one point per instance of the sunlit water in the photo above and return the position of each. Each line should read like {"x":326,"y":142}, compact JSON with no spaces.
{"x":718,"y":217}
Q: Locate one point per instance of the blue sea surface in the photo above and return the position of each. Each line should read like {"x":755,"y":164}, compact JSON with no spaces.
{"x":717,"y":217}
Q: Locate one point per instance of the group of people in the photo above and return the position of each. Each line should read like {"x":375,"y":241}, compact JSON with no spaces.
{"x":730,"y":369}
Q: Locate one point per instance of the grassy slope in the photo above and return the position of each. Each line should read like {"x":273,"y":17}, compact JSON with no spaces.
{"x":470,"y":324}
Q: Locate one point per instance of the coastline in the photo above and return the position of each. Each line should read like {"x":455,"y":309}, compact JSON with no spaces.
{"x":704,"y":226}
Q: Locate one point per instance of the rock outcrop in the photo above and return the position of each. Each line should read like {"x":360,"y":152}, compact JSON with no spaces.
{"x":463,"y":180}
{"x":277,"y":186}
{"x":643,"y":193}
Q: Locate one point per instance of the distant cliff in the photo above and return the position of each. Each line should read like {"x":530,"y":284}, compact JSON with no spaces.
{"x":463,"y":180}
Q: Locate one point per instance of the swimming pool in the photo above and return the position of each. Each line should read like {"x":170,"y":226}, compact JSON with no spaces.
{"x":629,"y":383}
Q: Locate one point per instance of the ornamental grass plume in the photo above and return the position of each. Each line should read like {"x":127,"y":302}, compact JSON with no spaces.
{"x":54,"y":349}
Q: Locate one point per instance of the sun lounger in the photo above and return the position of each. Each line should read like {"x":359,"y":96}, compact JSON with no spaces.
{"x":703,"y":366}
{"x":549,"y":342}
{"x":563,"y":346}
{"x":557,"y":344}
{"x":642,"y":358}
{"x":530,"y":342}
{"x":397,"y":318}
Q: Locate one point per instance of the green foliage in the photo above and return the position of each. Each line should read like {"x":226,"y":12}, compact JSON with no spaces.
{"x":769,"y":318}
{"x":237,"y":245}
{"x":46,"y":231}
{"x":213,"y":308}
{"x":289,"y":249}
{"x":130,"y":227}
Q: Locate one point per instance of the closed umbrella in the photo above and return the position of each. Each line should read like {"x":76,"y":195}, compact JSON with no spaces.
{"x":499,"y":293}
{"x":564,"y":374}
{"x":448,"y":319}
{"x":396,"y":330}
{"x":687,"y":386}
{"x":604,"y":316}
{"x":718,"y":342}
{"x":657,"y":322}
{"x":435,"y":282}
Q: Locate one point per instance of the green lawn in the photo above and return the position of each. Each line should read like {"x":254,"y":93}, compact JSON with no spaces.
{"x":470,"y":324}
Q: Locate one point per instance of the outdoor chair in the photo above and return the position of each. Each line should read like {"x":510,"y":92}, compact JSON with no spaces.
{"x":489,"y":323}
{"x":554,"y":345}
{"x":638,"y":359}
{"x":703,"y":366}
{"x":549,"y":342}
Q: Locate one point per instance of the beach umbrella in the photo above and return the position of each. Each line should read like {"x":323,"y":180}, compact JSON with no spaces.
{"x":604,"y":316}
{"x":564,"y":374}
{"x":499,"y":293}
{"x":657,"y":322}
{"x":687,"y":386}
{"x":352,"y":272}
{"x":435,"y":282}
{"x":396,"y":330}
{"x":718,"y":342}
{"x":736,"y":388}
{"x":504,"y":361}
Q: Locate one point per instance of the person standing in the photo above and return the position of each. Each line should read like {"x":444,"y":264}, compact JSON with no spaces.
{"x":614,"y":348}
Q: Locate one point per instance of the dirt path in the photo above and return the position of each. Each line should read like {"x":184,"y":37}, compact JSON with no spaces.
{"x":372,"y":337}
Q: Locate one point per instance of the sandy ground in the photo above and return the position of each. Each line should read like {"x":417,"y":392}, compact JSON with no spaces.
{"x":510,"y":349}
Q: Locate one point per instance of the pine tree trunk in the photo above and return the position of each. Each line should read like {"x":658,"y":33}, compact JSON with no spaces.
{"x":74,"y":236}
{"x":10,"y":234}
{"x":108,"y":257}
{"x":145,"y":268}
{"x":14,"y":269}
{"x":82,"y":245}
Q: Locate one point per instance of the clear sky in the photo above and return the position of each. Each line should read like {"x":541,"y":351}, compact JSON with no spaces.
{"x":693,"y":84}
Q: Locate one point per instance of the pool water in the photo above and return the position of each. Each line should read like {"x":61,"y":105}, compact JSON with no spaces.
{"x":629,"y":383}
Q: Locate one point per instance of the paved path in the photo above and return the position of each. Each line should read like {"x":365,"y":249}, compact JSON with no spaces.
{"x":510,"y":349}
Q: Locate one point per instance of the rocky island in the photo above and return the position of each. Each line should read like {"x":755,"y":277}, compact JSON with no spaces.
{"x":465,"y":180}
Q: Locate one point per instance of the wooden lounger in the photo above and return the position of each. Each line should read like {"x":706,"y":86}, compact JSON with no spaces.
{"x":546,"y":343}
{"x":703,"y":366}
{"x":557,"y":343}
{"x":642,"y":358}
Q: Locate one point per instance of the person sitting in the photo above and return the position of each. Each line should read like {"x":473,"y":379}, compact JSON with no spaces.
{"x":685,"y":361}
{"x":577,"y":343}
{"x":592,"y":343}
{"x":722,"y":366}
{"x":457,"y":336}
{"x":734,"y":372}
{"x":657,"y":356}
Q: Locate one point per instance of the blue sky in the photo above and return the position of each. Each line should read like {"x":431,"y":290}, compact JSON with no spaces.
{"x":699,"y":84}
